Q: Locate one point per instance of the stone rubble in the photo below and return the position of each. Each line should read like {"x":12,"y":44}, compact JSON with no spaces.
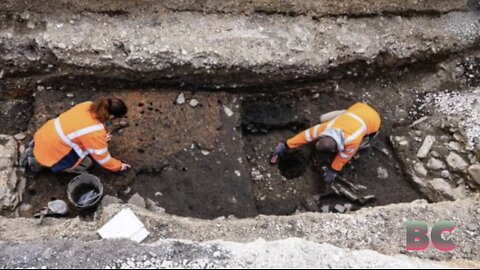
{"x":435,"y":164}
{"x":420,"y":169}
{"x":180,"y":99}
{"x":474,"y":172}
{"x":137,"y":200}
{"x":382,"y":173}
{"x":456,"y":162}
{"x":12,"y":184}
{"x":20,"y":136}
{"x":194,"y":103}
{"x":426,"y":146}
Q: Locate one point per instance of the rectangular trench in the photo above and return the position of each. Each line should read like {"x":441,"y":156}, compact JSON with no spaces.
{"x":211,"y":159}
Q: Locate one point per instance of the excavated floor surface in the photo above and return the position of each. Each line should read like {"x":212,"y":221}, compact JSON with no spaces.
{"x":201,"y":162}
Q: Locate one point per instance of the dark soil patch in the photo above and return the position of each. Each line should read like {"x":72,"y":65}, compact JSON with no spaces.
{"x":196,"y":162}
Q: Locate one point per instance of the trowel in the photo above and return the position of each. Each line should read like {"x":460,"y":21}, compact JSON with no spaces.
{"x":54,"y":208}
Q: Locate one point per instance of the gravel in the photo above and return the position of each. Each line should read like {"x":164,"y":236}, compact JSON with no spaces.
{"x":464,"y":106}
{"x":181,"y":254}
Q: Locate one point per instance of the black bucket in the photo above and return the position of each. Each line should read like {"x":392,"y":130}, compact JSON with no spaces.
{"x":82,"y":185}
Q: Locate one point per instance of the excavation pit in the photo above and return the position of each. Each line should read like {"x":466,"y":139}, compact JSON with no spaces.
{"x":213,"y":160}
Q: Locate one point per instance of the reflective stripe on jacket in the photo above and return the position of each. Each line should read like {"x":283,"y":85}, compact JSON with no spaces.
{"x":351,"y":126}
{"x":75,"y":129}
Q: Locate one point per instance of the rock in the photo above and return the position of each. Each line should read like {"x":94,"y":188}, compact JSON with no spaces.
{"x":459,"y":193}
{"x":458,"y":137}
{"x":20,"y":136}
{"x":9,"y":181}
{"x":340,"y":208}
{"x":258,"y":177}
{"x":445,"y":174}
{"x":455,"y":146}
{"x":180,"y":99}
{"x":194,"y":103}
{"x":474,"y":172}
{"x":31,"y":25}
{"x":435,"y":164}
{"x":435,"y":154}
{"x":473,"y":159}
{"x":205,"y":152}
{"x":311,"y":205}
{"x":108,"y":199}
{"x":469,"y":147}
{"x":420,"y":169}
{"x":442,"y":186}
{"x":25,"y":207}
{"x":400,"y":141}
{"x":426,"y":146}
{"x":137,"y":200}
{"x":128,"y":190}
{"x":217,"y":254}
{"x":325,"y":209}
{"x":456,"y":162}
{"x":123,"y":123}
{"x":152,"y":206}
{"x":227,"y":110}
{"x":70,"y":95}
{"x":382,"y":173}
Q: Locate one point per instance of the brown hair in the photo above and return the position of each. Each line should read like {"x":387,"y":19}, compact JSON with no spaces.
{"x":104,"y":107}
{"x":326,"y":144}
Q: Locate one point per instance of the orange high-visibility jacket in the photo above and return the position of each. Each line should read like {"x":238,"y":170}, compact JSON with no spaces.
{"x":352,"y":126}
{"x":75,"y":129}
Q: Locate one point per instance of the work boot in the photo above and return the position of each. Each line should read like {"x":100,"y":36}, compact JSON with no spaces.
{"x":33,"y":165}
{"x":82,"y":167}
{"x":27,"y":159}
{"x":23,"y":162}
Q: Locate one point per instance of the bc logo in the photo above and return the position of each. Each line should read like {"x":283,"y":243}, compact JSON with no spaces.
{"x":417,"y":235}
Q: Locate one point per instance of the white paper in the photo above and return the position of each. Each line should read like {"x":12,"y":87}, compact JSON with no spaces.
{"x":124,"y":224}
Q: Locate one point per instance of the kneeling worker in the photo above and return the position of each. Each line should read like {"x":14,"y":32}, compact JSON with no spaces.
{"x":342,"y":132}
{"x":63,"y":144}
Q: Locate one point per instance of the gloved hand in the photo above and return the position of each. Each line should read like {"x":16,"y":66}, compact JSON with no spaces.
{"x":125,"y":167}
{"x":109,"y":136}
{"x":280,"y":149}
{"x":329,"y":176}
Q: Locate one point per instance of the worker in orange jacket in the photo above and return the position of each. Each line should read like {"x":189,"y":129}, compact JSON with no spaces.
{"x":66,"y":142}
{"x":342,"y":132}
